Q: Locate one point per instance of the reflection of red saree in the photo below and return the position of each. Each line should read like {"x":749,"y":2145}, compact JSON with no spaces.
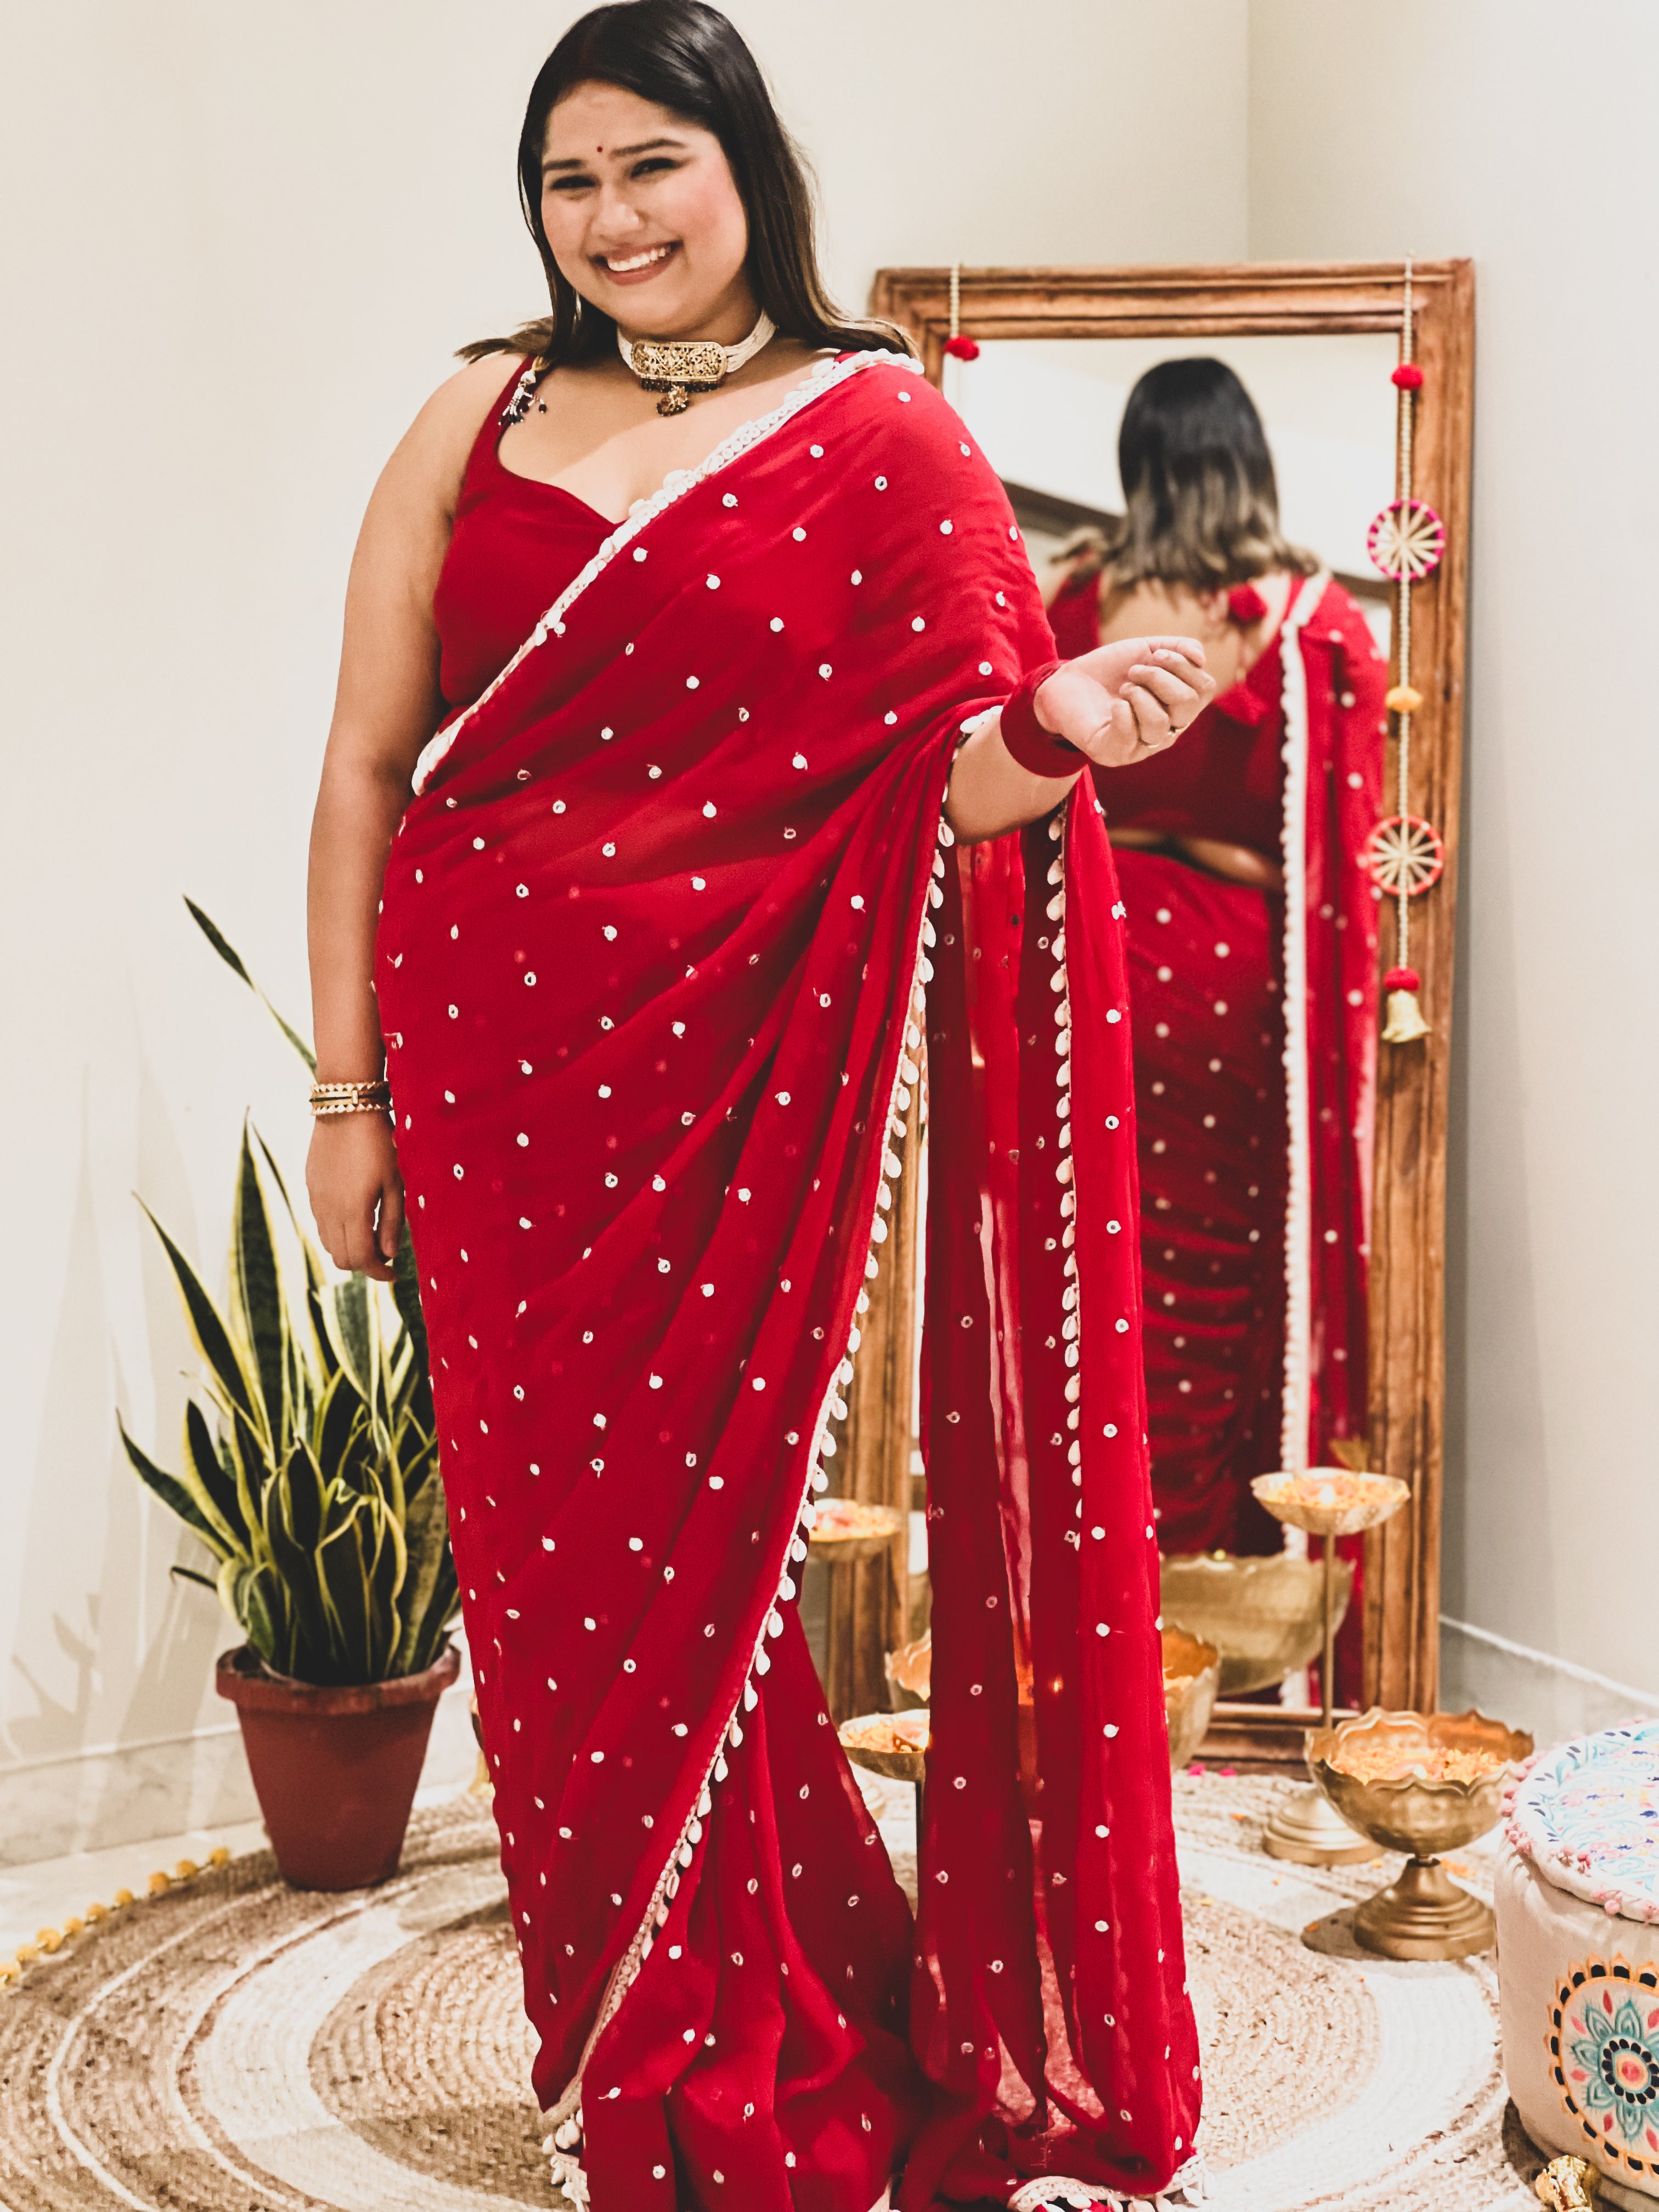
{"x":1255,"y":1146}
{"x":654,"y":942}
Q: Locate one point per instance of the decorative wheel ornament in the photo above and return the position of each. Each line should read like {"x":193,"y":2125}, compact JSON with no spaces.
{"x":1404,"y":856}
{"x":1408,"y":540}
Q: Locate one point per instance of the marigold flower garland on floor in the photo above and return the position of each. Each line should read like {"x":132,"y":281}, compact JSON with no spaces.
{"x":50,"y":1940}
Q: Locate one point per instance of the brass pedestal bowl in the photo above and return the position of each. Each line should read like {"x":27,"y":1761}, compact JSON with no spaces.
{"x":1265,"y":1616}
{"x":1192,"y":1681}
{"x":1326,"y":1502}
{"x":1424,"y":1784}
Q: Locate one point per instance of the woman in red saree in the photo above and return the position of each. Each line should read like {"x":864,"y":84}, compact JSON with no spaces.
{"x":657,"y":942}
{"x":1252,"y":965}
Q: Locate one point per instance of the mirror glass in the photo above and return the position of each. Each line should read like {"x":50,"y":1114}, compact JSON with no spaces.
{"x":1253,"y":925}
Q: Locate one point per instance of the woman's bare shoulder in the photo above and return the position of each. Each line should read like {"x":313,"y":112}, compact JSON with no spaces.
{"x":430,"y":459}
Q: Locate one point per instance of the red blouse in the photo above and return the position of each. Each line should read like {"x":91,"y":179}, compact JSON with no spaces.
{"x":515,"y":545}
{"x":1223,"y":778}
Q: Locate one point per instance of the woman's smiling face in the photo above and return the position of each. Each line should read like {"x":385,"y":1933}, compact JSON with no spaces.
{"x":644,"y":217}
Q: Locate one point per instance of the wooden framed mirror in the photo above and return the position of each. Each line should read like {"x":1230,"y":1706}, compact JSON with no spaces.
{"x":1059,"y":350}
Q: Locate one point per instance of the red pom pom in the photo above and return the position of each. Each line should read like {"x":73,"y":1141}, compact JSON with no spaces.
{"x":1402,"y":979}
{"x":1245,"y":604}
{"x":961,"y":349}
{"x":1408,"y":376}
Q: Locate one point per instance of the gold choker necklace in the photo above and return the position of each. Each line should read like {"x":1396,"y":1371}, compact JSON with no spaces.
{"x":675,"y":368}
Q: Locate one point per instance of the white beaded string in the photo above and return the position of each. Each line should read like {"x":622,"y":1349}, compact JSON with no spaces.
{"x":1403,"y":492}
{"x":1299,"y":1203}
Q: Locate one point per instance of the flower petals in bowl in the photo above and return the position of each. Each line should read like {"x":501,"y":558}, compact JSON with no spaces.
{"x":1331,"y":1501}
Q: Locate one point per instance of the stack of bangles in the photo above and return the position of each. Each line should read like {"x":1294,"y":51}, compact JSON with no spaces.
{"x":1025,"y":739}
{"x":350,"y":1099}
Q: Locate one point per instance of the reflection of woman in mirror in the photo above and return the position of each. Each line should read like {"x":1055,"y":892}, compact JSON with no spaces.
{"x":1238,"y":862}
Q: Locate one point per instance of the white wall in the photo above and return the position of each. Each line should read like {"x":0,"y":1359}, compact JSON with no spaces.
{"x":240,"y":245}
{"x":1046,"y":412}
{"x":1522,"y":135}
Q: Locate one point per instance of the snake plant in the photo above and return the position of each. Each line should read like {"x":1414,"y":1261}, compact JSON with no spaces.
{"x":311,"y":1473}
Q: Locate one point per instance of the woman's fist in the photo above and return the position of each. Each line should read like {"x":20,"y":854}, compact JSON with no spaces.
{"x":357,"y":1193}
{"x":1123,"y":702}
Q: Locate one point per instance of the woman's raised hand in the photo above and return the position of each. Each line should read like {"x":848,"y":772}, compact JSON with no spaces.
{"x":1123,"y":702}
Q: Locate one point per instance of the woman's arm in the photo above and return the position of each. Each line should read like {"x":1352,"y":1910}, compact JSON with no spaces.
{"x":1118,"y":704}
{"x":386,"y":706}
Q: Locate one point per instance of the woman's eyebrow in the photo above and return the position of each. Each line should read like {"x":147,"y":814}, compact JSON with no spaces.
{"x":619,"y":153}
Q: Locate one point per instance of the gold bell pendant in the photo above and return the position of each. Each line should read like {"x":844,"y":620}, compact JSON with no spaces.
{"x":1405,"y":1023}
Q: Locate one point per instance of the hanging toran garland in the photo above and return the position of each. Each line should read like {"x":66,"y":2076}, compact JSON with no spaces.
{"x":959,"y":347}
{"x":1405,"y":854}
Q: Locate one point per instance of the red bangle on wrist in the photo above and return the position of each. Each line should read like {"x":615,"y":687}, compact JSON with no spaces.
{"x":1035,"y":749}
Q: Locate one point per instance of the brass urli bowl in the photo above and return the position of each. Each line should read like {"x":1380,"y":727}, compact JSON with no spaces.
{"x":1192,"y":1682}
{"x":1192,"y":1677}
{"x":1265,"y":1616}
{"x":906,"y":1766}
{"x":1423,"y":1914}
{"x":882,"y":1524}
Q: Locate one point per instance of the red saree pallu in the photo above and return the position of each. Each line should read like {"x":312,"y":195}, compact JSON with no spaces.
{"x":1255,"y":1069}
{"x":660,"y":934}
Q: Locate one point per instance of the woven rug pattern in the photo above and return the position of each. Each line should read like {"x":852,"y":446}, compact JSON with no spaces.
{"x":238,"y":2046}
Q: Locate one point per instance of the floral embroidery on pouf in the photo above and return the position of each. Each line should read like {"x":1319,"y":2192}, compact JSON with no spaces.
{"x":1604,"y":2056}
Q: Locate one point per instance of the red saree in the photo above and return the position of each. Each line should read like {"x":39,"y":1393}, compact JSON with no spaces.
{"x":1255,"y":1062}
{"x":659,"y":937}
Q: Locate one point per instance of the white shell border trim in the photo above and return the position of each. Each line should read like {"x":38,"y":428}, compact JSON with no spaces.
{"x":1298,"y":1202}
{"x":1071,"y":1323}
{"x":565,"y":2117}
{"x":1185,"y":2187}
{"x":674,"y":486}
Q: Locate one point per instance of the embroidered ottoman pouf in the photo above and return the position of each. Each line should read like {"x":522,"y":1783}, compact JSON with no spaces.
{"x":1578,"y":1903}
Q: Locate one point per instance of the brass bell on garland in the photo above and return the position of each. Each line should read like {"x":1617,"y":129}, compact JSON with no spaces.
{"x":1405,"y":1024}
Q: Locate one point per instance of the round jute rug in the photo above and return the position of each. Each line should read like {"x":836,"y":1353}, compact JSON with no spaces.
{"x":237,"y":2046}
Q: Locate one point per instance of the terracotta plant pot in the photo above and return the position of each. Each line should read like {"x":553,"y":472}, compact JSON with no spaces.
{"x":335,"y":1769}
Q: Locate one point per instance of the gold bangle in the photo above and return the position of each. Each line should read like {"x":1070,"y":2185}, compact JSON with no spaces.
{"x":327,"y":1098}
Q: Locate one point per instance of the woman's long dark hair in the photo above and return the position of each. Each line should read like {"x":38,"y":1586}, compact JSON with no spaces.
{"x":1200,"y":499}
{"x":686,"y":57}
